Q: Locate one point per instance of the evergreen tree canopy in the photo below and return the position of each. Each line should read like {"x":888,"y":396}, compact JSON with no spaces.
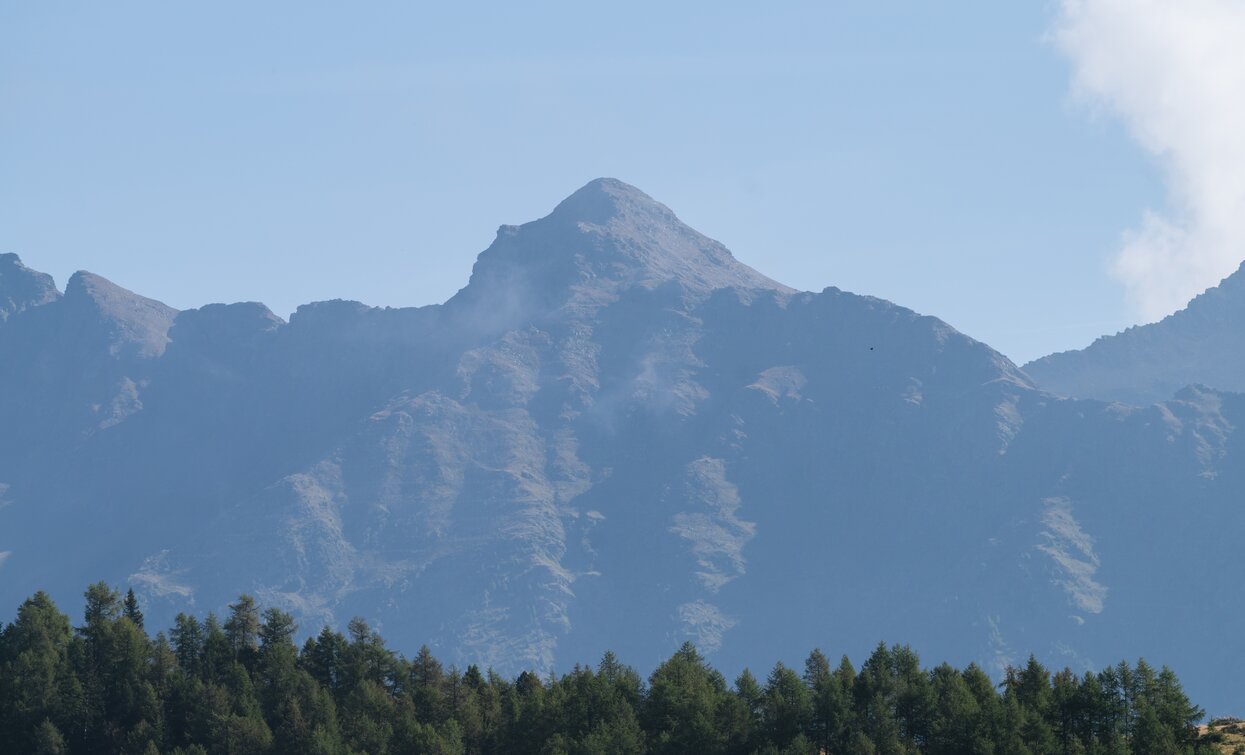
{"x":243,"y":687}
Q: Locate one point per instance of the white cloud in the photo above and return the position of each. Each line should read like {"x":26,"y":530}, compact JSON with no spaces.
{"x":1174,"y":71}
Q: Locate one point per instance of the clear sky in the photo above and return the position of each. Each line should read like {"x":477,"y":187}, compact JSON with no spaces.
{"x":934,"y":154}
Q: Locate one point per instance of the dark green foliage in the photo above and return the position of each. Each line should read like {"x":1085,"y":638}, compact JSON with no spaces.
{"x":242,"y":630}
{"x":131,"y":609}
{"x":786,"y":708}
{"x":243,"y":687}
{"x":685,"y":698}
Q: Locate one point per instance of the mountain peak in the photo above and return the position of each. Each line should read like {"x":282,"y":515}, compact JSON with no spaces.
{"x":604,"y":199}
{"x":603,"y":239}
{"x":135,"y":322}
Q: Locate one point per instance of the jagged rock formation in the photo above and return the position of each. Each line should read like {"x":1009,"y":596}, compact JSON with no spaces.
{"x":1204,"y":344}
{"x":22,"y":288}
{"x":616,"y":435}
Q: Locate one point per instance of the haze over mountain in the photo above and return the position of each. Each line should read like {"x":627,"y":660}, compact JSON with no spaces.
{"x":1202,"y":343}
{"x":616,"y":435}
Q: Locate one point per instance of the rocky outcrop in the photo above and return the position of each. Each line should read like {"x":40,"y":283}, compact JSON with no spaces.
{"x":22,"y":288}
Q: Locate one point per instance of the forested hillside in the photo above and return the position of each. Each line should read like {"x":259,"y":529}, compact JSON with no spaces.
{"x":241,"y":685}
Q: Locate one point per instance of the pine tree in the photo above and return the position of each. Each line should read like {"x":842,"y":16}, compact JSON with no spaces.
{"x":818,"y":678}
{"x":1030,"y":689}
{"x":48,"y":740}
{"x":242,"y":630}
{"x":743,"y":714}
{"x":684,"y":699}
{"x":786,"y":706}
{"x":37,"y":682}
{"x":914,"y":699}
{"x":955,"y":726}
{"x":874,"y":693}
{"x":187,"y":637}
{"x":276,"y":662}
{"x":426,"y":678}
{"x":218,"y":656}
{"x":1173,"y":707}
{"x":323,"y":657}
{"x":131,"y":610}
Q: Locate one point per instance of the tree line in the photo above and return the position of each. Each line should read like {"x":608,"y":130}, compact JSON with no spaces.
{"x":242,"y":685}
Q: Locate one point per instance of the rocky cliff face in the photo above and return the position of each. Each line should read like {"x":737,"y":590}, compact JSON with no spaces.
{"x":1203,"y":343}
{"x":616,"y":435}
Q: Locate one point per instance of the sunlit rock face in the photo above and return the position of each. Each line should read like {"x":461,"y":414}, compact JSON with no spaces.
{"x":615,"y":436}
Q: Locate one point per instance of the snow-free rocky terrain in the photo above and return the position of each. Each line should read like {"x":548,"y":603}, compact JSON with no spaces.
{"x":1202,"y":343}
{"x":617,"y":436}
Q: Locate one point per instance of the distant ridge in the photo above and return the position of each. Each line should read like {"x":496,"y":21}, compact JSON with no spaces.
{"x":1204,"y":343}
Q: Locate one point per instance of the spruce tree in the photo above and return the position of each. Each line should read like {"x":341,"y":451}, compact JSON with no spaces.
{"x":242,"y":630}
{"x":131,"y":610}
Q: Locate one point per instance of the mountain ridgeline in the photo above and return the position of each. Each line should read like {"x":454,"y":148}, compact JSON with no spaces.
{"x":1204,"y":343}
{"x":616,"y":435}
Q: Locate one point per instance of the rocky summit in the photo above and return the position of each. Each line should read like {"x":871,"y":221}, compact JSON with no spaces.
{"x":619,"y":436}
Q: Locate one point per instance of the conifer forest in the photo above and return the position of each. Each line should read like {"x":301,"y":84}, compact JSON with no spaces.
{"x":241,"y":684}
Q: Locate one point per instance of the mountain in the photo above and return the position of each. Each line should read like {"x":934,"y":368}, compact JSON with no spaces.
{"x":616,"y":436}
{"x":1204,"y":343}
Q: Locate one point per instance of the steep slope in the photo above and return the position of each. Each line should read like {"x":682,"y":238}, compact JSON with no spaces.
{"x":617,"y":435}
{"x":1204,"y":343}
{"x":73,"y":368}
{"x":76,"y":364}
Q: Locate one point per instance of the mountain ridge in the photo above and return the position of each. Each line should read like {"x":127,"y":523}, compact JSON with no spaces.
{"x":615,"y":435}
{"x":1201,"y":343}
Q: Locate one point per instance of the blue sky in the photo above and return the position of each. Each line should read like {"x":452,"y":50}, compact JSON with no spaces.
{"x":930,"y":153}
